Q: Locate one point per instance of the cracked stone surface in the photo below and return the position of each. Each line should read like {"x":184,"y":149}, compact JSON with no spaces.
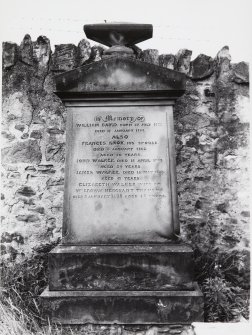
{"x":150,"y":56}
{"x":26,"y":50}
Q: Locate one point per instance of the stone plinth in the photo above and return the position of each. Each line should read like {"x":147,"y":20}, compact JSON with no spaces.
{"x":124,"y":307}
{"x":136,"y":267}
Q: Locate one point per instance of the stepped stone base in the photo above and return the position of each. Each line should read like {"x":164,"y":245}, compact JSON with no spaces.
{"x":122,"y":284}
{"x":123,"y":307}
{"x":121,"y":267}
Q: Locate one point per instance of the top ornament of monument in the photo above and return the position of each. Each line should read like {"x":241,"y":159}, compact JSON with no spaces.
{"x":118,"y":36}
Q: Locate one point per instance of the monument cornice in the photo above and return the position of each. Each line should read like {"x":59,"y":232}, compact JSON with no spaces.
{"x":119,"y":95}
{"x":119,"y":74}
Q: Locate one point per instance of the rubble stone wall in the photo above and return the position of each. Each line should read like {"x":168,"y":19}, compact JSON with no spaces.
{"x":211,"y":128}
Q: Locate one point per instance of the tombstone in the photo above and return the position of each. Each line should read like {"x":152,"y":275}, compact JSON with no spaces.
{"x":120,"y":259}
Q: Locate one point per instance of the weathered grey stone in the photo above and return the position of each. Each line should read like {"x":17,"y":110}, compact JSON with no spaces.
{"x":49,"y":84}
{"x":28,"y":201}
{"x":46,"y":168}
{"x":54,"y":130}
{"x":201,"y":67}
{"x":27,"y":217}
{"x":241,"y":73}
{"x":208,"y":93}
{"x":18,"y":80}
{"x":55,"y":152}
{"x":17,"y":106}
{"x":8,"y":238}
{"x":134,"y":223}
{"x":42,"y":51}
{"x":168,"y":61}
{"x":38,"y":209}
{"x":183,"y":60}
{"x":126,"y":307}
{"x":26,"y":50}
{"x":20,"y":127}
{"x":121,"y":268}
{"x":64,"y":57}
{"x":223,"y":207}
{"x":8,"y":135}
{"x":55,"y":182}
{"x":202,"y":178}
{"x":84,"y":51}
{"x":152,"y":331}
{"x":36,"y":134}
{"x":115,"y":33}
{"x":245,"y":214}
{"x":188,"y":330}
{"x":26,"y":191}
{"x":119,"y":74}
{"x":96,"y":53}
{"x":10,"y":54}
{"x":175,"y":331}
{"x":22,"y":152}
{"x":115,"y":330}
{"x":176,"y":326}
{"x":150,"y":56}
{"x":222,"y":60}
{"x":30,"y":168}
{"x":24,"y":136}
{"x":137,"y":51}
{"x":13,"y":175}
{"x":163,"y":330}
{"x":141,"y":329}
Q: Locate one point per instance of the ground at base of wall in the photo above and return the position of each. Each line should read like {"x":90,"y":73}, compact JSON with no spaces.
{"x":197,"y":328}
{"x":218,"y":328}
{"x":128,"y":330}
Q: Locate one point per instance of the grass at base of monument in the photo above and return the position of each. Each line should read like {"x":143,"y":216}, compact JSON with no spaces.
{"x":14,"y":321}
{"x":224,"y":281}
{"x":22,"y":283}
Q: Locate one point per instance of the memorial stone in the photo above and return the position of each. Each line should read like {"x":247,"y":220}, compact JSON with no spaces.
{"x":120,"y":259}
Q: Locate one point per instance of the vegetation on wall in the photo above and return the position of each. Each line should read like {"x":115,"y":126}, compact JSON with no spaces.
{"x":22,"y":284}
{"x":223,"y":277}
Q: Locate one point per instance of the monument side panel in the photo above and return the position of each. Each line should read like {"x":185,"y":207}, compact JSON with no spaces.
{"x":173,"y":175}
{"x":120,"y":178}
{"x":66,"y":207}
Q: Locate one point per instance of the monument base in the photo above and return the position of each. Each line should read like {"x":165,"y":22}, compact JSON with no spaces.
{"x":123,"y":307}
{"x":121,"y":267}
{"x":123,"y":284}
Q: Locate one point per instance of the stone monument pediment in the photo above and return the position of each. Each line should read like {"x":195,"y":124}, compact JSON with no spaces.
{"x":121,"y":74}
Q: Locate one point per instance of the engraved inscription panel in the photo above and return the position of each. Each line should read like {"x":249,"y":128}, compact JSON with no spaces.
{"x":118,"y":177}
